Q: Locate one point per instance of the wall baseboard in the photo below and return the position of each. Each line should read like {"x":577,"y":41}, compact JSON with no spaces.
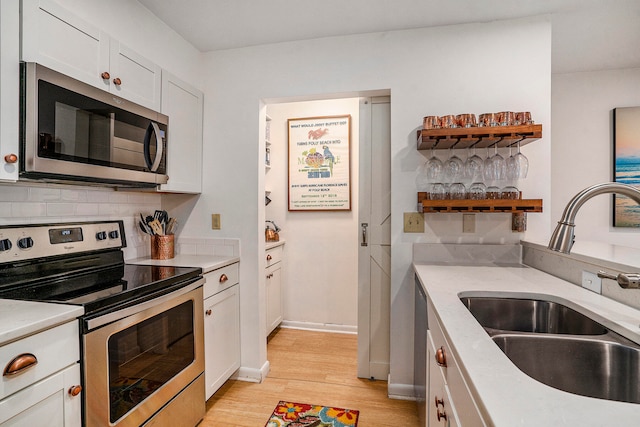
{"x":320,"y":327}
{"x":400,"y":391}
{"x":252,"y":375}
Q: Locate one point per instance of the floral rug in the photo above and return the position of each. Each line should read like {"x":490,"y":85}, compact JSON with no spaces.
{"x":289,"y":414}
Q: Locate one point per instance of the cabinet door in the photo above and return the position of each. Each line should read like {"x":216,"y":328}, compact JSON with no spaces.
{"x":440,"y":409}
{"x":45,"y":403}
{"x":134,"y":77}
{"x":58,"y":39}
{"x":183,"y":104}
{"x":9,"y":89}
{"x":274,"y":297}
{"x":221,"y":338}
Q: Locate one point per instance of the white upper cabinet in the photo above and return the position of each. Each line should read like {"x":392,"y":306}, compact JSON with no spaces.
{"x":9,"y":89}
{"x":183,"y":104}
{"x":58,"y":39}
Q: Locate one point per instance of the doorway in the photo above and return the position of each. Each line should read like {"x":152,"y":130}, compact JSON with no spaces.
{"x":322,"y":287}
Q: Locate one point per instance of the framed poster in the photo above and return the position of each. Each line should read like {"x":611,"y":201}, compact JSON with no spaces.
{"x":319,"y":168}
{"x":626,"y":166}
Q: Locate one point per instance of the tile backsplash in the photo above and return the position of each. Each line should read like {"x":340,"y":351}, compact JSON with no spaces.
{"x":26,"y":203}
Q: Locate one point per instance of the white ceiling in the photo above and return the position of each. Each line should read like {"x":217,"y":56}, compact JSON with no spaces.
{"x":587,"y":34}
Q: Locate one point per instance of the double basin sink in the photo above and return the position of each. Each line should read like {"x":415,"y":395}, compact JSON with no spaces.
{"x":561,"y":347}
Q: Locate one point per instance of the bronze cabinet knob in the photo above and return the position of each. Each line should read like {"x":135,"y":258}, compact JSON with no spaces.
{"x":75,"y":390}
{"x":11,"y":158}
{"x":117,"y":81}
{"x":105,"y":75}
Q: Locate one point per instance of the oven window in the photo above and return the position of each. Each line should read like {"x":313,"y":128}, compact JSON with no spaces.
{"x":145,"y":356}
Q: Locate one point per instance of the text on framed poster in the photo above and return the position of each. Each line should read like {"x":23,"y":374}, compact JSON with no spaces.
{"x":319,"y":163}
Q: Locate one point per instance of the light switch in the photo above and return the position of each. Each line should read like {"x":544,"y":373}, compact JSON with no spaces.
{"x":413,"y":222}
{"x":215,"y":221}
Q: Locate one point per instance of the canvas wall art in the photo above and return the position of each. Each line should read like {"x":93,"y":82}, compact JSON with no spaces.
{"x":626,"y":154}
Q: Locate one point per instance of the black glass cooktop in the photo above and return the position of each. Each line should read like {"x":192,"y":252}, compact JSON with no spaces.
{"x":97,"y":282}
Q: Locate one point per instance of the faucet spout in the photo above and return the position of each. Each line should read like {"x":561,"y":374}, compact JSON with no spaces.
{"x":563,"y":237}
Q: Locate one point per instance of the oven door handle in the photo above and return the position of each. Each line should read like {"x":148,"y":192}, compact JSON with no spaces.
{"x":126,"y":312}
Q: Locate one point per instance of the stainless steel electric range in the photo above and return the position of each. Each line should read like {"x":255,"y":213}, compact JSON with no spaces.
{"x":142,"y":351}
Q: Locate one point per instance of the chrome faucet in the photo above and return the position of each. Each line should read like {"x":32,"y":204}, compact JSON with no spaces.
{"x":563,"y":237}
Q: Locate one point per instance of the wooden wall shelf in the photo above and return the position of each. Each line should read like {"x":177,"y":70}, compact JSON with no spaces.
{"x":479,"y":206}
{"x":479,"y":137}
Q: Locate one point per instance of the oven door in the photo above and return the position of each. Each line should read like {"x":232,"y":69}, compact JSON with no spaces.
{"x":135,"y":365}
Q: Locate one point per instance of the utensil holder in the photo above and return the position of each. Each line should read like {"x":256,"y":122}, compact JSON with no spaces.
{"x":162,"y":246}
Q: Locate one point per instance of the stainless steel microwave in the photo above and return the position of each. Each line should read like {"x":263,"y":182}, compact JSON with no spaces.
{"x":74,"y":132}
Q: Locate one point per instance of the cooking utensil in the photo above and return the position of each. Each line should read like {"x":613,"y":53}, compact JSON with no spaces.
{"x":156,"y":227}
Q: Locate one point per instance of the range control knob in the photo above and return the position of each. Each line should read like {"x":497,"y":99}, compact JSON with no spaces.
{"x":114,"y":234}
{"x":25,"y":243}
{"x":101,"y":235}
{"x":5,"y":245}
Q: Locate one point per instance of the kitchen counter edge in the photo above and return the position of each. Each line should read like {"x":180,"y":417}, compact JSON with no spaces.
{"x":505,"y":395}
{"x":206,"y":262}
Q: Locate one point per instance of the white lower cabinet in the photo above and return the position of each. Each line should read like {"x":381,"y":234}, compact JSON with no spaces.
{"x":273,"y":288}
{"x":221,"y":327}
{"x":46,"y":392}
{"x":449,"y":401}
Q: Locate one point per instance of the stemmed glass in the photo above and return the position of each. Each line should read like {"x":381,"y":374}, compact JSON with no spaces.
{"x":517,"y":165}
{"x":473,"y":166}
{"x":498,"y":164}
{"x":453,"y":166}
{"x":434,"y":168}
{"x":522,"y":162}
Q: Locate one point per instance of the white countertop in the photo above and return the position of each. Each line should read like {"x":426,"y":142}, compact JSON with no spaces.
{"x":206,"y":262}
{"x":505,"y":395}
{"x":271,"y":245}
{"x":23,"y":318}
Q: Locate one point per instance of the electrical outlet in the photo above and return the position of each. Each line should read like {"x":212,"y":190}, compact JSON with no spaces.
{"x":215,"y":221}
{"x":592,"y":282}
{"x":468,"y":223}
{"x":413,"y":222}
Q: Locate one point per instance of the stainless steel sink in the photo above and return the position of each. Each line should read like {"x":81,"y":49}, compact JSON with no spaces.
{"x":528,"y":315}
{"x":561,"y":347}
{"x":588,"y":367}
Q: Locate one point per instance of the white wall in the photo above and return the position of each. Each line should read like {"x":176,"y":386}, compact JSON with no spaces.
{"x":321,"y":247}
{"x":437,"y":71}
{"x":582,"y":150}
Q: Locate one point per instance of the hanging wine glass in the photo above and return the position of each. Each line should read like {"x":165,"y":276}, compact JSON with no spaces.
{"x":453,"y":167}
{"x":489,"y":170}
{"x":433,"y":168}
{"x":498,"y":164}
{"x":512,"y":168}
{"x":522,"y":162}
{"x":473,"y":166}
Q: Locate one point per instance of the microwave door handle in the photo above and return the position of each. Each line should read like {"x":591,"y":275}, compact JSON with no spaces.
{"x":153,"y":128}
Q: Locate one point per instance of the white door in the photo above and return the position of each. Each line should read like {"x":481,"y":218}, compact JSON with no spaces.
{"x":374,"y":256}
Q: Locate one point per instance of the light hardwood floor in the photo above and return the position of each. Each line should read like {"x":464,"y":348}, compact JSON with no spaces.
{"x":309,"y":367}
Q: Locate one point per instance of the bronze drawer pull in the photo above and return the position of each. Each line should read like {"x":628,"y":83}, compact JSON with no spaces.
{"x":105,"y":75}
{"x":11,"y":158}
{"x":441,"y":357}
{"x":223,"y":278}
{"x":439,"y":402}
{"x":269,"y":257}
{"x":442,"y":415}
{"x":208,"y":312}
{"x":20,"y":364}
{"x":117,"y":81}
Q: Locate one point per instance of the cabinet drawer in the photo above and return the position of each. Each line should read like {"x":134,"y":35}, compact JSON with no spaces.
{"x":221,"y":279}
{"x":273,"y":255}
{"x":54,"y":349}
{"x":440,"y":343}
